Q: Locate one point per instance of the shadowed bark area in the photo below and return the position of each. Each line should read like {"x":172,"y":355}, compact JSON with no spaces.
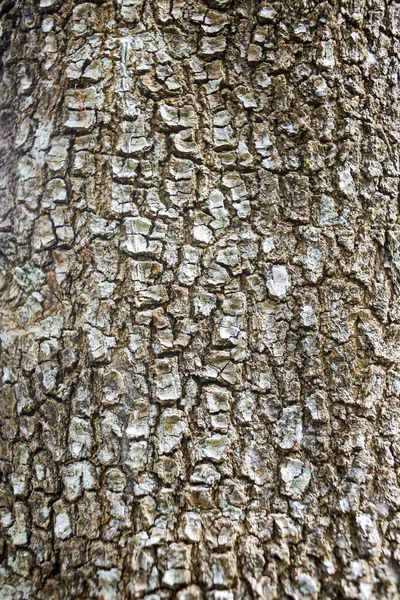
{"x":200,"y":340}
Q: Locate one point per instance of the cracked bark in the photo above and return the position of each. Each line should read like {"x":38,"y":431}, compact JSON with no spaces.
{"x":200,"y":300}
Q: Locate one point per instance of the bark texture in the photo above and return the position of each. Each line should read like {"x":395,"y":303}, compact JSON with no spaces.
{"x":200,"y":253}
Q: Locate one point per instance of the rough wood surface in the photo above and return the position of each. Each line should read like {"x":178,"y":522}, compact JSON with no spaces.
{"x":200,"y":253}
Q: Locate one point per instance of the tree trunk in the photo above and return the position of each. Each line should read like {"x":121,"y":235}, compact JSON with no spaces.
{"x":200,"y":282}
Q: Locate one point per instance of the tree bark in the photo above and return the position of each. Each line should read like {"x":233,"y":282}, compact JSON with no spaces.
{"x":200,"y":269}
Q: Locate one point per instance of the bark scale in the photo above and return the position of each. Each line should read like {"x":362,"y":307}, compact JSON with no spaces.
{"x":200,"y":255}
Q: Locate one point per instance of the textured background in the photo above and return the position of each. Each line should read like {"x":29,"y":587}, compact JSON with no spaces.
{"x":200,"y":256}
